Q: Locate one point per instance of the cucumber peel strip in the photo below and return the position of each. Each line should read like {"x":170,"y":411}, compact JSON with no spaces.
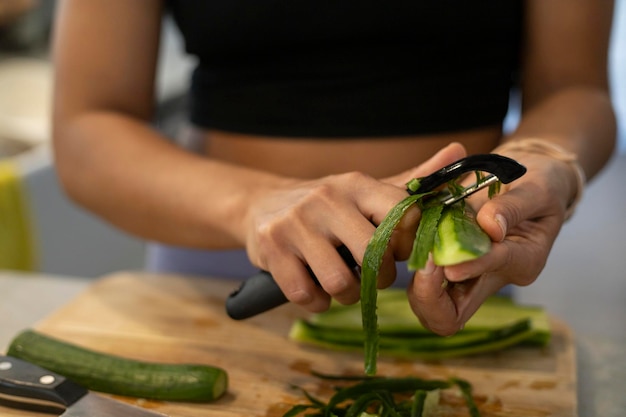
{"x":372,"y":260}
{"x":407,"y":396}
{"x":425,"y":237}
{"x":376,"y":248}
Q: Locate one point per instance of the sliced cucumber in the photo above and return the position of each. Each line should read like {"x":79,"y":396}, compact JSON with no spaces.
{"x":116,"y":375}
{"x":395,"y":316}
{"x":428,"y":348}
{"x":499,"y":323}
{"x":459,"y":237}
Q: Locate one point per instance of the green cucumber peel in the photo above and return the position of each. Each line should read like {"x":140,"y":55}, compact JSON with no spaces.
{"x":419,"y":400}
{"x":428,"y":240}
{"x":396,"y":319}
{"x":372,"y":260}
{"x":408,"y":396}
{"x":425,"y":237}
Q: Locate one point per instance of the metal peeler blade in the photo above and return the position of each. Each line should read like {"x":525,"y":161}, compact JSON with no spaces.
{"x":500,"y":168}
{"x":504,"y":168}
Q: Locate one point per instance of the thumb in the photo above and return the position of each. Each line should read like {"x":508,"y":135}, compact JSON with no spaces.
{"x":451,"y":153}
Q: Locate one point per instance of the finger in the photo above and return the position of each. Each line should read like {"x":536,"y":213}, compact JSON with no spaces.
{"x":430,"y":301}
{"x":447,"y":155}
{"x":357,"y":237}
{"x":374,"y":200}
{"x":469,"y":295}
{"x":444,"y":307}
{"x":520,"y":256}
{"x":333,"y":274}
{"x":505,"y":211}
{"x":297,"y":285}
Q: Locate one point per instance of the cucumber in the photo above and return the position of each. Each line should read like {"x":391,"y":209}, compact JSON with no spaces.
{"x":459,"y":237}
{"x":120,"y":376}
{"x":450,"y":232}
{"x":424,"y":347}
{"x":372,"y":260}
{"x":425,"y":237}
{"x":499,"y":323}
{"x":395,"y":317}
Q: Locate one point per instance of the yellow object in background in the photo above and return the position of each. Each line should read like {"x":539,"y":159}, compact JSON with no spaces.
{"x":16,"y":241}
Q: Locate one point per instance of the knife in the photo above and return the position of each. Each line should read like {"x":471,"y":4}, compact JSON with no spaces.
{"x":27,"y":386}
{"x":260,"y":293}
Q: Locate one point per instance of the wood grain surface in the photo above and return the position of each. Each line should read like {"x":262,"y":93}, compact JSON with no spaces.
{"x":182,"y":319}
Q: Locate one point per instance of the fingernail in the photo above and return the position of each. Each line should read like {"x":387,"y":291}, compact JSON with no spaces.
{"x":502,"y":223}
{"x":428,"y":269}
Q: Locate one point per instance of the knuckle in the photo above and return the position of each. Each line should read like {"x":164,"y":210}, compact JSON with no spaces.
{"x":336,"y":283}
{"x":323,"y":192}
{"x":354,"y":177}
{"x":299,"y":296}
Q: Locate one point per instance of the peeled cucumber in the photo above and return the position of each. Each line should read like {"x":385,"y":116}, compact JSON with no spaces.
{"x":499,"y":323}
{"x":459,"y":238}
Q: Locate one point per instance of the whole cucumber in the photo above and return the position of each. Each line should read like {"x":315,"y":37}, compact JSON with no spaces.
{"x":121,"y":376}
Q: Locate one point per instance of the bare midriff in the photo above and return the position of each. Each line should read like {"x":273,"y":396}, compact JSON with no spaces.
{"x":316,"y":157}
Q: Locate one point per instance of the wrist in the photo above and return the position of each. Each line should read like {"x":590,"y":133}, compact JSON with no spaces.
{"x":552,"y":150}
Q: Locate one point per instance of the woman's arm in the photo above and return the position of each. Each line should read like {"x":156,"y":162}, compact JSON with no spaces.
{"x":109,"y":157}
{"x":565,"y":104}
{"x":112,"y":161}
{"x":565,"y":85}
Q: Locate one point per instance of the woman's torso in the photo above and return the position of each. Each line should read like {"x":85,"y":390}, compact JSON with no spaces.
{"x":315,"y":157}
{"x":313,"y":88}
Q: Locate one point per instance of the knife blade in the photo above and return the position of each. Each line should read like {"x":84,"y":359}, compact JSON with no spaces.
{"x":23,"y":384}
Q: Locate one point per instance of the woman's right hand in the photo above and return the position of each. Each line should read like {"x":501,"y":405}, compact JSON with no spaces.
{"x":302,"y":223}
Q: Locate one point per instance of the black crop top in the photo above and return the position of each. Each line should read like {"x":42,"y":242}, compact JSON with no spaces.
{"x":329,"y":68}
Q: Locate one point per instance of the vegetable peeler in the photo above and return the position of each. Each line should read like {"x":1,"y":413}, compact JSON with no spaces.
{"x":260,"y":293}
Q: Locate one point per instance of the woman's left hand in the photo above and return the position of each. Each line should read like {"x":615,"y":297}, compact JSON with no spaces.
{"x":523,"y":221}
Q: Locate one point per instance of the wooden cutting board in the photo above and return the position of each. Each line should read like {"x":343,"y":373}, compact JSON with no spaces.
{"x":182,"y":319}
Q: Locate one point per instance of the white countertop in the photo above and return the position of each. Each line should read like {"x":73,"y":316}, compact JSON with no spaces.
{"x":27,"y":298}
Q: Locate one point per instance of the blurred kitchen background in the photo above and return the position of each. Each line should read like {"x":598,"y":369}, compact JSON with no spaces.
{"x":584,"y":281}
{"x":64,"y":239}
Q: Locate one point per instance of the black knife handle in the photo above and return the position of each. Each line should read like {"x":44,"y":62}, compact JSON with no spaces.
{"x":261,"y":293}
{"x":20,"y":379}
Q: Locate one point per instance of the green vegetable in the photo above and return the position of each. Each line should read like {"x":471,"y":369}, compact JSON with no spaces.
{"x":396,"y":317}
{"x":372,"y":260}
{"x":424,"y":347}
{"x":380,"y":396}
{"x":425,"y":237}
{"x":419,"y":401}
{"x":459,"y":238}
{"x":466,"y":390}
{"x":499,"y":323}
{"x":116,"y":375}
{"x":450,"y":232}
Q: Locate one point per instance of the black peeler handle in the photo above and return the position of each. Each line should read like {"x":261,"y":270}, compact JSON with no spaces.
{"x":505,"y":168}
{"x":260,"y":293}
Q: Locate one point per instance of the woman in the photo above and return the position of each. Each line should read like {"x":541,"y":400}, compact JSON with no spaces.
{"x":313,"y":116}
